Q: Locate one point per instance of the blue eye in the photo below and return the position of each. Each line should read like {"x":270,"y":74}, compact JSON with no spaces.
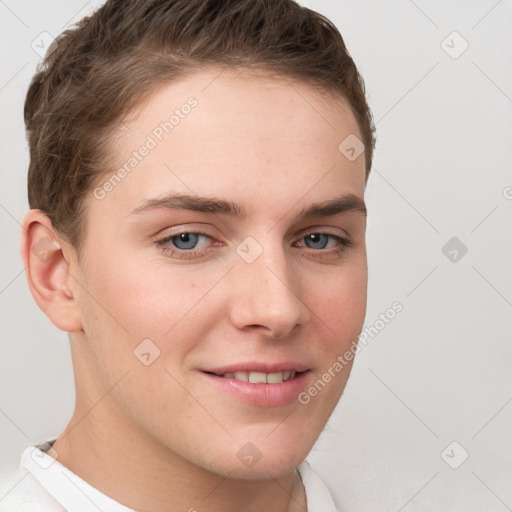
{"x":186,"y":244}
{"x":325,"y":240}
{"x":196,"y":245}
{"x":185,"y":241}
{"x":317,"y":240}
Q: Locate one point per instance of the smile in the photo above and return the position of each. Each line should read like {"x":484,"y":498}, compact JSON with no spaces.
{"x":259,"y":377}
{"x":260,"y":384}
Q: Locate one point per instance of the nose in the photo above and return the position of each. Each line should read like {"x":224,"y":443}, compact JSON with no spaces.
{"x":266,"y":295}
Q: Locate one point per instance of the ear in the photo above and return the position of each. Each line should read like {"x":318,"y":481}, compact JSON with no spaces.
{"x":48,"y":263}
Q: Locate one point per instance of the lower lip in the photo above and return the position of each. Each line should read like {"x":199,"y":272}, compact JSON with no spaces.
{"x":264,"y":395}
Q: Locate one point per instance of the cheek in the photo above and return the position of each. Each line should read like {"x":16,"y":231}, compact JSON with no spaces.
{"x":169,"y":306}
{"x":339,"y":306}
{"x":147,"y":302}
{"x":339,"y":310}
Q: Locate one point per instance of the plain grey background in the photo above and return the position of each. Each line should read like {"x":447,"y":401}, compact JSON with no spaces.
{"x":425,"y":421}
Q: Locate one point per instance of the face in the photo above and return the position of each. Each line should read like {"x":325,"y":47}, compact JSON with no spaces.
{"x":216,"y":281}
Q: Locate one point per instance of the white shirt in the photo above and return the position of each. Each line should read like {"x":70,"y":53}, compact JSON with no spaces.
{"x":42,"y":484}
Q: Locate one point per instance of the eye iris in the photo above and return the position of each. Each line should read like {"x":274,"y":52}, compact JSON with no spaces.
{"x":185,"y":240}
{"x":317,"y":238}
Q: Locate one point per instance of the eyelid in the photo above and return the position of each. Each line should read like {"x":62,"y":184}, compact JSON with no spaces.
{"x":344,"y":242}
{"x":181,"y":229}
{"x":168,"y":237}
{"x":336,"y":232}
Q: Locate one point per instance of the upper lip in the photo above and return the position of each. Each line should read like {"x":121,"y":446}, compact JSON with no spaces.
{"x":255,"y":366}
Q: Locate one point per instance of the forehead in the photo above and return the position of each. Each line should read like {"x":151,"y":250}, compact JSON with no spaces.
{"x":235,"y":135}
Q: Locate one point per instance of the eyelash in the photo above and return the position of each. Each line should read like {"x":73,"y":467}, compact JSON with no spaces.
{"x":344,"y":243}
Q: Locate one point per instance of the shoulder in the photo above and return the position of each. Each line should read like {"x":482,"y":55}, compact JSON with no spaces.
{"x":20,"y":491}
{"x":317,"y":494}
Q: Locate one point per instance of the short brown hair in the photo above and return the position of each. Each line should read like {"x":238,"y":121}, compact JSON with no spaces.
{"x":95,"y":73}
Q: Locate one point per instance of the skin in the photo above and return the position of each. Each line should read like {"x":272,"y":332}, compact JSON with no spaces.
{"x":160,"y":437}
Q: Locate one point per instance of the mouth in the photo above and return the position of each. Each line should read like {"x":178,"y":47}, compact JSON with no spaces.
{"x":260,"y":384}
{"x":258,"y":377}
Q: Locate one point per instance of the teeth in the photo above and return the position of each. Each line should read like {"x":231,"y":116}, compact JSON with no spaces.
{"x":275,"y":378}
{"x":261,"y":377}
{"x":257,"y":377}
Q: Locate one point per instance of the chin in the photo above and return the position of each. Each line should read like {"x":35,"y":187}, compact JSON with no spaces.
{"x":274,"y":466}
{"x":263,"y":457}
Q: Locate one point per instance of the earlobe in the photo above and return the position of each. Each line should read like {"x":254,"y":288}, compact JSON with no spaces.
{"x":47,"y":268}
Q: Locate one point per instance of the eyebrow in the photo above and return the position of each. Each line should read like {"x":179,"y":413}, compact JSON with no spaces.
{"x":330,"y":207}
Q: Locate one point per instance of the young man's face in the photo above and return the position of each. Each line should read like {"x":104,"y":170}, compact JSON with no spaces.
{"x":256,"y":292}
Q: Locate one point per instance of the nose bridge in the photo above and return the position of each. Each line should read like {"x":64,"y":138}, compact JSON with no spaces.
{"x":266,"y":292}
